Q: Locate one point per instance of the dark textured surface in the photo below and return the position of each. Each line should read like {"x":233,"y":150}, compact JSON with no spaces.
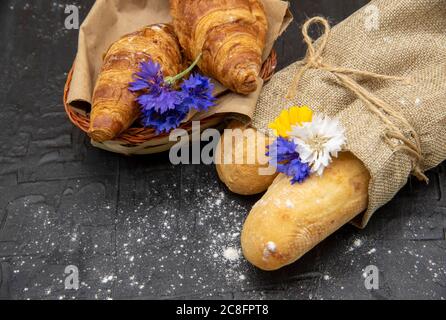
{"x":142,"y":228}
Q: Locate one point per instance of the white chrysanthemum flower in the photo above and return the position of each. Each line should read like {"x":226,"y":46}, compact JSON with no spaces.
{"x":319,"y":141}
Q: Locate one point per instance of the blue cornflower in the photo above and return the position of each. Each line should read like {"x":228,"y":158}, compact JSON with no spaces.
{"x":197,"y":92}
{"x":160,"y":100}
{"x":150,"y":75}
{"x":295,"y":169}
{"x":157,"y":95}
{"x":163,"y":107}
{"x":282,"y":150}
{"x":166,"y":121}
{"x":284,"y":156}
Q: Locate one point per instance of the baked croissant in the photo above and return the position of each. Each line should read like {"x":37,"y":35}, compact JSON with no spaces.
{"x":229,"y":33}
{"x":114,"y":108}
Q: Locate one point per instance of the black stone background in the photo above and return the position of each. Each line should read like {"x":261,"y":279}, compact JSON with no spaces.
{"x":142,"y":228}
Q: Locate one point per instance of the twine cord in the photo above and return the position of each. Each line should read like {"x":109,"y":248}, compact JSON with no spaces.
{"x":379,"y":107}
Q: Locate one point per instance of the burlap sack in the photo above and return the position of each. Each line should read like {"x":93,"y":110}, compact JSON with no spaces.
{"x":383,"y":118}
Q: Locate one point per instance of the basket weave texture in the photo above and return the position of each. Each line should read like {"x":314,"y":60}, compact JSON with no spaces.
{"x":139,"y":140}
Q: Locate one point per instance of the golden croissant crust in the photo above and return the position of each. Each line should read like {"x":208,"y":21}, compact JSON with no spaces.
{"x":229,"y":33}
{"x":114,"y":108}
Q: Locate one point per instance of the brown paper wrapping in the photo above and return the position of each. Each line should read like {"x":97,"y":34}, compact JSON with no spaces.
{"x":109,"y":20}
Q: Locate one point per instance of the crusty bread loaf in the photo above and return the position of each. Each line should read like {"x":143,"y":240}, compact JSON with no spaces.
{"x":292,"y":219}
{"x":243,"y":178}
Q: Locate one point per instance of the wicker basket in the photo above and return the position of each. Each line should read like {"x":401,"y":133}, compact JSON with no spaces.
{"x":140,"y":141}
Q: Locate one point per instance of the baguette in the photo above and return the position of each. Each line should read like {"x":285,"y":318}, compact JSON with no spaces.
{"x":290,"y":220}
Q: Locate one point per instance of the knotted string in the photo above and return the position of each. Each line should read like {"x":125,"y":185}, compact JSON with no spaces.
{"x":379,"y":107}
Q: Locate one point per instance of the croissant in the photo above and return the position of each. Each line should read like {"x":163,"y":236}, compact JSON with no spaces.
{"x":230,"y":35}
{"x":114,"y":108}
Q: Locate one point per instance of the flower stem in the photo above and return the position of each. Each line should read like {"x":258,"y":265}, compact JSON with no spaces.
{"x":173,"y":80}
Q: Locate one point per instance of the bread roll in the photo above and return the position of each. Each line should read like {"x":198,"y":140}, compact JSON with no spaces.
{"x":292,"y":219}
{"x":114,"y":108}
{"x":243,"y":178}
{"x":230,"y":34}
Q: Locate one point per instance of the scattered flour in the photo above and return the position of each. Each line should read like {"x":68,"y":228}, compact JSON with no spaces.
{"x":231,"y":254}
{"x":107,"y":279}
{"x":357,"y":243}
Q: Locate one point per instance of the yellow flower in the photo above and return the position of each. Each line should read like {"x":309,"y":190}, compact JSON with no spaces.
{"x":294,"y":116}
